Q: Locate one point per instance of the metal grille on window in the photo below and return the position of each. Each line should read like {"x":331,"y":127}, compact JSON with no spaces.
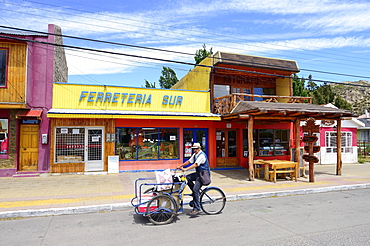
{"x":69,"y":145}
{"x":95,"y":145}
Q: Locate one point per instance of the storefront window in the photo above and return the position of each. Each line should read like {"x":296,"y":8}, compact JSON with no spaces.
{"x":269,"y":142}
{"x":147,"y":143}
{"x":4,"y":141}
{"x":69,"y":144}
{"x":169,"y":143}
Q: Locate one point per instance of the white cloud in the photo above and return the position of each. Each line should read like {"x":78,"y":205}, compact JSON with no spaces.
{"x":184,"y":25}
{"x":341,"y":22}
{"x":270,"y":6}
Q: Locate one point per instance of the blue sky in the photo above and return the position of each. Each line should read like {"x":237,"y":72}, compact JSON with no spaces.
{"x":324,"y":37}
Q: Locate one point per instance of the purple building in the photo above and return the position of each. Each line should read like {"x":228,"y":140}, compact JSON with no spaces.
{"x":29,"y":65}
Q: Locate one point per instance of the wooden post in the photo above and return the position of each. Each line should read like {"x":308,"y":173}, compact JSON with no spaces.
{"x":250,"y":148}
{"x":310,"y":128}
{"x":339,"y":147}
{"x":297,"y":145}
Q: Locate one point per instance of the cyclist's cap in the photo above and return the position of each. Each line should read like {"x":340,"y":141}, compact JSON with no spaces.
{"x":196,"y":146}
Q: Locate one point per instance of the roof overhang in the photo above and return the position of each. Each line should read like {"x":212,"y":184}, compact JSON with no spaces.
{"x":30,"y":113}
{"x":284,"y":111}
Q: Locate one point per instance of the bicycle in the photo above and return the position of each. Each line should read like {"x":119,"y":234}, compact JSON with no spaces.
{"x":162,"y":206}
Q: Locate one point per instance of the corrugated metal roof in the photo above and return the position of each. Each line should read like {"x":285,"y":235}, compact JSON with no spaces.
{"x":21,"y":33}
{"x":31,"y":113}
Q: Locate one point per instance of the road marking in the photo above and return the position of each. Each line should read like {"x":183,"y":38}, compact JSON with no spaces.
{"x":63,"y":201}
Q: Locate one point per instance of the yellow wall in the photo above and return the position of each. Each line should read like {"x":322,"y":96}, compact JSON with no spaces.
{"x":15,"y":91}
{"x":198,"y":78}
{"x":283,"y":88}
{"x":73,"y":96}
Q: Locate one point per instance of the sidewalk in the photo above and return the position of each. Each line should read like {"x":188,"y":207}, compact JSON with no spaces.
{"x":78,"y":193}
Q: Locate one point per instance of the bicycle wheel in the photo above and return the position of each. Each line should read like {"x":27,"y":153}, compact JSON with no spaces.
{"x":212,"y":200}
{"x":161,"y":209}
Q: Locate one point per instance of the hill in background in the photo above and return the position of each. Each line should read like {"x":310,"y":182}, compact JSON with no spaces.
{"x":357,"y":94}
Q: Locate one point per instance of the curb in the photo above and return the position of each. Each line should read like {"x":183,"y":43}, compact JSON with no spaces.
{"x":121,"y":206}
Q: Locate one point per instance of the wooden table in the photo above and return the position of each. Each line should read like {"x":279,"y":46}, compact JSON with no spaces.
{"x":276,"y":165}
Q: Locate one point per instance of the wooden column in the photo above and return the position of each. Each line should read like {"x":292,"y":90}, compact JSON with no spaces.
{"x":339,"y":147}
{"x":250,"y":148}
{"x":297,"y":145}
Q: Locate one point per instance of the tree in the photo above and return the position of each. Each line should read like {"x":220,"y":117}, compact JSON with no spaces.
{"x":149,"y":85}
{"x":201,"y":54}
{"x":299,"y":89}
{"x":339,"y":102}
{"x":311,"y":86}
{"x":323,"y":95}
{"x":168,"y":78}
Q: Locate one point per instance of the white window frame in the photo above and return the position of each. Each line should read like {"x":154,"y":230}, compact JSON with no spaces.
{"x":331,"y":142}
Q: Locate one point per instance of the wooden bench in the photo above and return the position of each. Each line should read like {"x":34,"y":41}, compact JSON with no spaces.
{"x":283,"y":167}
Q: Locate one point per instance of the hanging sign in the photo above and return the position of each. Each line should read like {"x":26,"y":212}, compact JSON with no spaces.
{"x":310,"y":158}
{"x":315,"y":148}
{"x":309,"y":139}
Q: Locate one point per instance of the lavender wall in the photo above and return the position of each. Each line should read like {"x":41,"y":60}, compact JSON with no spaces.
{"x":40,"y":73}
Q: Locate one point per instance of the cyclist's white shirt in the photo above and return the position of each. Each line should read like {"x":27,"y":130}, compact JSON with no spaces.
{"x":198,"y":158}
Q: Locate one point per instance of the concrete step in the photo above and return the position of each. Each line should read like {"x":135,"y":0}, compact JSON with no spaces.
{"x":25,"y":175}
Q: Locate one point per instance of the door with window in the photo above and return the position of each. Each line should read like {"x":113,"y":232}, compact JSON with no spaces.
{"x":83,"y":145}
{"x":28,"y":147}
{"x":191,"y":136}
{"x":226,"y":147}
{"x":94,"y":149}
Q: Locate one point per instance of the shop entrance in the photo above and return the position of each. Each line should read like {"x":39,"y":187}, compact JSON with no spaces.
{"x":28,"y":147}
{"x":94,"y":149}
{"x":226,"y":147}
{"x":198,"y":135}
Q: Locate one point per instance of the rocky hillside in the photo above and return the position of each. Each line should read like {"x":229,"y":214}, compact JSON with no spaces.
{"x":357,"y":95}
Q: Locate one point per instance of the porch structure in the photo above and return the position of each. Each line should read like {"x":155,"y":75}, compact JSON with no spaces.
{"x":252,"y":112}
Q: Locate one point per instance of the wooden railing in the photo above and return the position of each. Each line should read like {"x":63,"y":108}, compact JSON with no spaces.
{"x":224,"y":105}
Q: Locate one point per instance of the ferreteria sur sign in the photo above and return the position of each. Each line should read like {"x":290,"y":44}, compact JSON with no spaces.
{"x":108,"y":97}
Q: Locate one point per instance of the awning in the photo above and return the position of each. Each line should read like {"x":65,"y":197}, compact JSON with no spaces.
{"x":269,"y":110}
{"x":88,"y":113}
{"x":30,"y":113}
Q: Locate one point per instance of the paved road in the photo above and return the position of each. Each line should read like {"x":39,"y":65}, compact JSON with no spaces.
{"x":333,"y":218}
{"x":72,"y":194}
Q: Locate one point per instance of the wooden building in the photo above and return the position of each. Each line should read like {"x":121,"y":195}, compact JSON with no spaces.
{"x":237,"y":107}
{"x":27,"y":73}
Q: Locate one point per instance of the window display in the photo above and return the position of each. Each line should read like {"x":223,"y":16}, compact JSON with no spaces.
{"x":268,"y":142}
{"x":4,"y":136}
{"x":147,"y":143}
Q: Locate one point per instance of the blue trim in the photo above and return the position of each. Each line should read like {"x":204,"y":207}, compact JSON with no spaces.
{"x":99,"y":113}
{"x":225,"y":168}
{"x":153,"y":170}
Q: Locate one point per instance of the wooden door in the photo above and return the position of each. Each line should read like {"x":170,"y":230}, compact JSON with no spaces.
{"x":226,"y":147}
{"x":28,"y":148}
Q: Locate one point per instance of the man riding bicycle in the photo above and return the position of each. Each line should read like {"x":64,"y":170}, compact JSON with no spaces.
{"x":199,"y":161}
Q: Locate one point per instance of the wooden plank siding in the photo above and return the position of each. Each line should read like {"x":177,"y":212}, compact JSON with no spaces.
{"x":14,"y":94}
{"x":109,"y":127}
